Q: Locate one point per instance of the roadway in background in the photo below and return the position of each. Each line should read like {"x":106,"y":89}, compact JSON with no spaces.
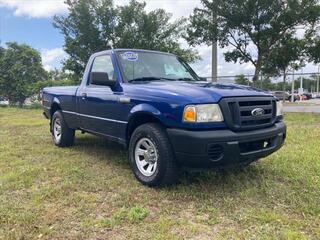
{"x":309,"y":106}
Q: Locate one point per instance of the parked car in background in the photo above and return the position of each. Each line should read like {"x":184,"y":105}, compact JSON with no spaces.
{"x":304,"y":96}
{"x":296,"y":97}
{"x":316,"y":95}
{"x":307,"y":96}
{"x":287,"y":96}
{"x":155,"y":105}
{"x":4,"y":101}
{"x":281,"y":94}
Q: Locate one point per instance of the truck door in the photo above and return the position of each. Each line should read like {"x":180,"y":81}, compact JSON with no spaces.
{"x":98,"y":104}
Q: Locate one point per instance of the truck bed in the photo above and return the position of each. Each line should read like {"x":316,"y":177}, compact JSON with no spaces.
{"x":66,"y":96}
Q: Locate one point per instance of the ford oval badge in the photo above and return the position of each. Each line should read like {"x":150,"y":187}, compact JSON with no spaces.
{"x":257,"y":112}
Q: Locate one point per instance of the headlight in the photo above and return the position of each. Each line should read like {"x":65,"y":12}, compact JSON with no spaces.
{"x":202,"y":113}
{"x":279,"y":108}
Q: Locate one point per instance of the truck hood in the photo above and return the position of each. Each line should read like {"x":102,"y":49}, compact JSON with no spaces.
{"x":191,"y":92}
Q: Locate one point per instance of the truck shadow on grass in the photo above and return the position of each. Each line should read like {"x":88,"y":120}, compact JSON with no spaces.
{"x":115,"y":154}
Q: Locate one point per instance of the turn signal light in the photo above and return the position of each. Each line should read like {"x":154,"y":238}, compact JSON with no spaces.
{"x":189,"y":114}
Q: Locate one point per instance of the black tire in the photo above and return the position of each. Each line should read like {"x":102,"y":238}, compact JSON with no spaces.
{"x":66,"y":137}
{"x":165,"y":172}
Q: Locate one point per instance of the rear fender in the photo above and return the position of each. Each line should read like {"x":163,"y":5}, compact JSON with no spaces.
{"x":56,"y":100}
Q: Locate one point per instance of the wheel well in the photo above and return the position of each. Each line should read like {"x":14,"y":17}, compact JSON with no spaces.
{"x":54,"y":108}
{"x":137,"y":121}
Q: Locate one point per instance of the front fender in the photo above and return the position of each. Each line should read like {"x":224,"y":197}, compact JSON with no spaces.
{"x":144,"y":109}
{"x":140,"y":114}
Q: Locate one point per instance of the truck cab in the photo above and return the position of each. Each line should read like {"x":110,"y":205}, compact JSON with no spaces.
{"x":155,"y":105}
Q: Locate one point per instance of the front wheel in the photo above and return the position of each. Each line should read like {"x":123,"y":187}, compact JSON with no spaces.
{"x":62,"y":135}
{"x":151,"y":156}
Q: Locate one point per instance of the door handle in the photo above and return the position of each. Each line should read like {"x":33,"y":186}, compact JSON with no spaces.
{"x":83,"y":95}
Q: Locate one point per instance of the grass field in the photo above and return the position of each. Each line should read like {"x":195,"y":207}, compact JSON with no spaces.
{"x":89,"y":192}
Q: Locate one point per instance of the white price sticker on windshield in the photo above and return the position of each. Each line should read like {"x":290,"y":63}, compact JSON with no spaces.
{"x":130,"y":56}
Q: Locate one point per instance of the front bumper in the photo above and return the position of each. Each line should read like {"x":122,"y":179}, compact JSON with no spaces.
{"x":225,"y":148}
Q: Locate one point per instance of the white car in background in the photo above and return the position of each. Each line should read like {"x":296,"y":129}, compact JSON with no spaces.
{"x":4,"y":101}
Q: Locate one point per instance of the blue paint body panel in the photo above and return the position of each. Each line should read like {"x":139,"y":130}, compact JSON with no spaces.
{"x":107,"y":111}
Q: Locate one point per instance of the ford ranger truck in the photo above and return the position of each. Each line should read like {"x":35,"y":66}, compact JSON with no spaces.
{"x":155,"y":105}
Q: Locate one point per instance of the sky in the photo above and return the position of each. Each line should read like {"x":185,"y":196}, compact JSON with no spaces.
{"x":30,"y":22}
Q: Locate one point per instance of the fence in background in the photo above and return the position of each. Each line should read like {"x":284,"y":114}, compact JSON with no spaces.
{"x":309,"y":82}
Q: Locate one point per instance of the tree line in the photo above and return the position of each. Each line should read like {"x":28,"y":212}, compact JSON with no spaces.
{"x":274,"y":36}
{"x":22,"y":74}
{"x":266,"y":83}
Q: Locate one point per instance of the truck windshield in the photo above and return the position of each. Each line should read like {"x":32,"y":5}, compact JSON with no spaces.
{"x":152,"y":66}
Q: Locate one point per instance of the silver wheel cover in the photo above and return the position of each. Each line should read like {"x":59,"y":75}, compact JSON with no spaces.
{"x":146,"y":156}
{"x":57,"y":130}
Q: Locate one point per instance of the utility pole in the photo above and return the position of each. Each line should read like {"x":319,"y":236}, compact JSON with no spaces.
{"x":214,"y":61}
{"x":318,"y":79}
{"x":292,"y":87}
{"x":300,"y":90}
{"x":214,"y":67}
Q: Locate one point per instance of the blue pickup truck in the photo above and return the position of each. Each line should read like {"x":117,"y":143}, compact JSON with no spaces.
{"x":155,"y":105}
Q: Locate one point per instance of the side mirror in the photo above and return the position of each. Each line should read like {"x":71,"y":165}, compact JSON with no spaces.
{"x":101,"y":78}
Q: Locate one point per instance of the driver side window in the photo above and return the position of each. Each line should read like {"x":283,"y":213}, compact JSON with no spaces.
{"x":104,"y":64}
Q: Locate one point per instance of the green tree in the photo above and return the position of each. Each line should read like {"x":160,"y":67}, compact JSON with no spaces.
{"x":55,"y":77}
{"x":309,"y":83}
{"x":58,"y":75}
{"x":286,"y":56}
{"x":1,"y":51}
{"x":20,"y":67}
{"x":95,"y":25}
{"x":250,"y":28}
{"x":242,"y":80}
{"x":267,"y":84}
{"x":37,"y":86}
{"x":313,"y":49}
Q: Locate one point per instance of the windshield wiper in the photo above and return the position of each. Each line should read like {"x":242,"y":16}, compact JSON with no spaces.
{"x":185,"y":79}
{"x":150,"y":79}
{"x":144,"y":79}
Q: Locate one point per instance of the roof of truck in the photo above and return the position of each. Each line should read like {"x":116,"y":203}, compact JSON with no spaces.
{"x":129,"y":49}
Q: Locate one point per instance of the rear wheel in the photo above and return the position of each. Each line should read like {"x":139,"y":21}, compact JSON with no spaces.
{"x":62,"y":135}
{"x":151,"y":156}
